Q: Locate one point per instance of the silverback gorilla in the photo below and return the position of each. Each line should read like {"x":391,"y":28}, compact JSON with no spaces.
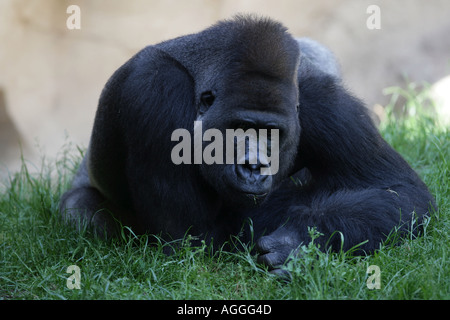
{"x":336,"y":173}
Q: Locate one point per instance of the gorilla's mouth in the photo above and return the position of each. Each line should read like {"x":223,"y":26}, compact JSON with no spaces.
{"x":250,"y":182}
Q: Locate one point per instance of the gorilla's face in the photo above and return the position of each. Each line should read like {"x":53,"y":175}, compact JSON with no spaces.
{"x":250,"y":136}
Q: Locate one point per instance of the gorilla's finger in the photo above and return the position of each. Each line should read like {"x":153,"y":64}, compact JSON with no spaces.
{"x":265,"y":244}
{"x":282,"y":274}
{"x":271,"y":260}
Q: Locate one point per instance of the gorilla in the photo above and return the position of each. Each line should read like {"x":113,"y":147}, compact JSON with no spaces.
{"x":336,"y":173}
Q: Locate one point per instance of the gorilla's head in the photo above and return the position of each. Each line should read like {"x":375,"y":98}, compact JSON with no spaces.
{"x":252,"y":92}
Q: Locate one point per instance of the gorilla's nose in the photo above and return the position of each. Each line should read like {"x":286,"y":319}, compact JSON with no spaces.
{"x":254,"y":167}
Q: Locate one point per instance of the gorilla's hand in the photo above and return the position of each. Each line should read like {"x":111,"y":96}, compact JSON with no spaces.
{"x":275,"y":248}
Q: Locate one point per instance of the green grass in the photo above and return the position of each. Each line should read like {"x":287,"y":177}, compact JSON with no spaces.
{"x":36,"y":249}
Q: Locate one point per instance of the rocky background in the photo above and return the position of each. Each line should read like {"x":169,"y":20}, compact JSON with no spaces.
{"x":51,"y":76}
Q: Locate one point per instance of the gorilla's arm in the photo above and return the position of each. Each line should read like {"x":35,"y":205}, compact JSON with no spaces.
{"x":359,"y":185}
{"x":127,"y":169}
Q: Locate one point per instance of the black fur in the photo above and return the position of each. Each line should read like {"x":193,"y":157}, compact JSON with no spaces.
{"x":336,"y":172}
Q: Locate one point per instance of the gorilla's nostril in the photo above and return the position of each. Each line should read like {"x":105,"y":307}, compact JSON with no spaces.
{"x":243,"y":171}
{"x":253,"y":167}
{"x":250,"y":172}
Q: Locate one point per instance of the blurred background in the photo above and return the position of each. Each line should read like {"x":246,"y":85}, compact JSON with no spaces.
{"x":51,"y":76}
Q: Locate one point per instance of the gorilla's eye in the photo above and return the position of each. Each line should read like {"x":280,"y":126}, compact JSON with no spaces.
{"x":207,"y":99}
